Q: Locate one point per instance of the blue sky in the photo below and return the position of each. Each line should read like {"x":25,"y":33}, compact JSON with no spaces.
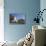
{"x":19,"y":16}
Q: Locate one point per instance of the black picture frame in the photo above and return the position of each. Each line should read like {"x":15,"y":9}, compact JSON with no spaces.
{"x":17,"y":18}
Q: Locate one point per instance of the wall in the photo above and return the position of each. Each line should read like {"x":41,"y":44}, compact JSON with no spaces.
{"x":28,"y":7}
{"x":1,"y":21}
{"x":43,"y":6}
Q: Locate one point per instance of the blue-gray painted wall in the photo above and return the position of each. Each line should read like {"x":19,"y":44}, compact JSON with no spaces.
{"x":43,"y":6}
{"x":29,"y":8}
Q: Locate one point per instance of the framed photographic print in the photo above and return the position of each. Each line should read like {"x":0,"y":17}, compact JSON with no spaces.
{"x":17,"y":18}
